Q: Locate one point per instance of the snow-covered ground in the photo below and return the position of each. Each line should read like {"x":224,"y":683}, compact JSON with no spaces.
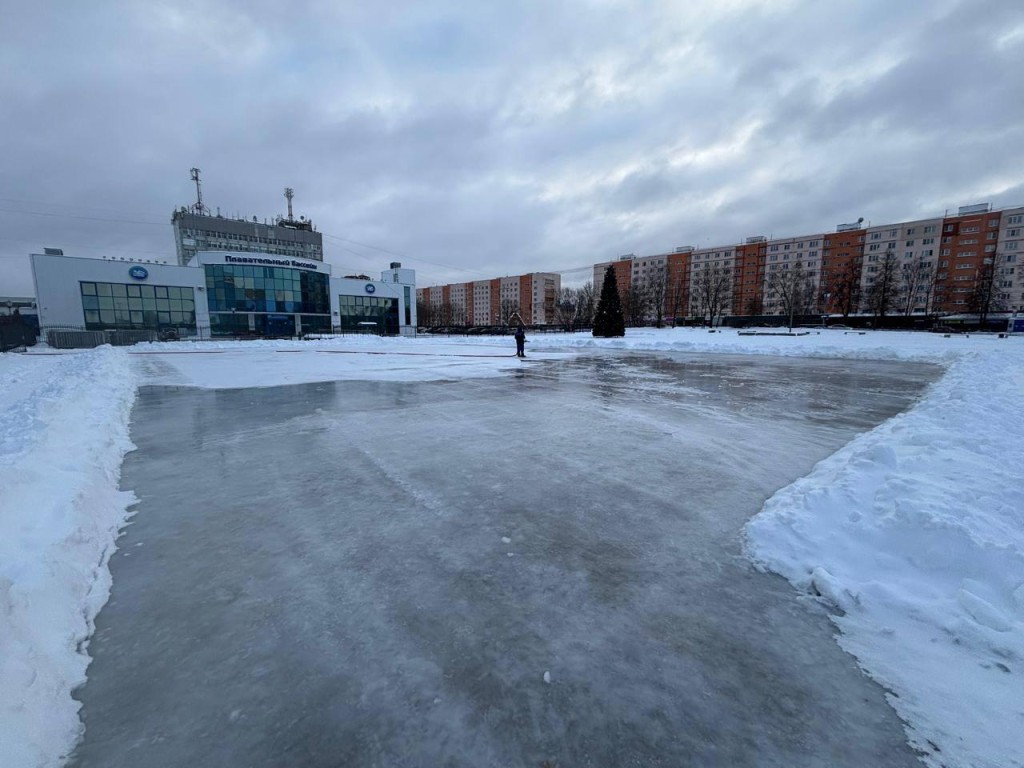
{"x":915,"y":530}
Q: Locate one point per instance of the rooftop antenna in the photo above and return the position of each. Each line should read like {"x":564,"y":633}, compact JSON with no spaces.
{"x":289,"y":193}
{"x":198,"y":207}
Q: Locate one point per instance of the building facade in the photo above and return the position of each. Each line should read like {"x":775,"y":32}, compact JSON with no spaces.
{"x":195,"y":232}
{"x":963,"y":263}
{"x":218,"y":293}
{"x":491,"y":302}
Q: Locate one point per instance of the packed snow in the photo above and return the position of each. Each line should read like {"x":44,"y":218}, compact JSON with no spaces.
{"x":914,"y":532}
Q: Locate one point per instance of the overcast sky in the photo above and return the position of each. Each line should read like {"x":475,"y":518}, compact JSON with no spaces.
{"x":480,"y":139}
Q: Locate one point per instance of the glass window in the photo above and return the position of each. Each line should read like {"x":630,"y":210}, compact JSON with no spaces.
{"x":117,"y":289}
{"x":90,"y":302}
{"x":148,"y":291}
{"x":133,"y":290}
{"x":103,"y":289}
{"x":106,"y":302}
{"x":89,"y":289}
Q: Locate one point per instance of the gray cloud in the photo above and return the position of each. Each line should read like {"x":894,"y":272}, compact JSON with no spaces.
{"x":489,"y":139}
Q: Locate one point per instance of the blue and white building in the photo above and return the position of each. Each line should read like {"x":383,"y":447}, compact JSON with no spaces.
{"x":221,"y":293}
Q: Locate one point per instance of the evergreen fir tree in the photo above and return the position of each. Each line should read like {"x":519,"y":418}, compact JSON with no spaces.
{"x":608,"y":320}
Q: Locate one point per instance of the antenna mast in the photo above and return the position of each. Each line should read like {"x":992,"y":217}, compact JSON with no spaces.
{"x":289,"y":193}
{"x":198,"y":207}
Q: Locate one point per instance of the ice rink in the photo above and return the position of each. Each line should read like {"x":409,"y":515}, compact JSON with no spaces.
{"x":541,"y":568}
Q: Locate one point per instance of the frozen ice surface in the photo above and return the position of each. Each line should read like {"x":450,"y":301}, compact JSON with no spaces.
{"x":324,"y":579}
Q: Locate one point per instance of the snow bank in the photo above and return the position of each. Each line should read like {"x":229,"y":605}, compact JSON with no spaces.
{"x":915,"y":531}
{"x":63,"y":433}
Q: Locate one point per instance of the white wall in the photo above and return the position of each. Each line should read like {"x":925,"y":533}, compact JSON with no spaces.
{"x":59,"y":297}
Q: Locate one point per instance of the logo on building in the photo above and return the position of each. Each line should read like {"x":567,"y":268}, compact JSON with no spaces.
{"x":370,"y":287}
{"x":138,"y":273}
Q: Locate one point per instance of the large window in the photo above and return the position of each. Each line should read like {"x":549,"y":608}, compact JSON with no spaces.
{"x":236,"y":288}
{"x":119,"y":305}
{"x":371,"y":313}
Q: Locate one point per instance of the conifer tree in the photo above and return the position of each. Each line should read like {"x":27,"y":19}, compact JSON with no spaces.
{"x":608,"y":320}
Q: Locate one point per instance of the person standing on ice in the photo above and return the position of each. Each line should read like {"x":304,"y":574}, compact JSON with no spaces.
{"x":520,"y":342}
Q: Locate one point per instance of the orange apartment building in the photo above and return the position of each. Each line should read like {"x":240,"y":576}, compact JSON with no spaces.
{"x":841,"y":263}
{"x":968,"y":244}
{"x":749,"y":276}
{"x":491,"y":302}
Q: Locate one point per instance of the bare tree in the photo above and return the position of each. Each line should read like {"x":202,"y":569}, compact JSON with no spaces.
{"x":883,"y":287}
{"x":565,"y":308}
{"x":586,"y":303}
{"x":635,"y":303}
{"x":424,"y":313}
{"x":506,"y":309}
{"x":936,"y":295}
{"x":793,"y":288}
{"x":677,"y":293}
{"x":711,"y":291}
{"x":843,"y":287}
{"x":915,"y":282}
{"x":984,"y":297}
{"x":657,"y":295}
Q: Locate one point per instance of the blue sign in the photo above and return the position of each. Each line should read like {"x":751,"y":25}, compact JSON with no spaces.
{"x":370,"y":287}
{"x":138,"y":273}
{"x":1017,"y":325}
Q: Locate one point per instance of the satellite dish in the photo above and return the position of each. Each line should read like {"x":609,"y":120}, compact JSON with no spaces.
{"x":860,"y":219}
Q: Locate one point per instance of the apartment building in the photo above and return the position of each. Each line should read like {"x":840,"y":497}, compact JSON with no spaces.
{"x":711,"y":279}
{"x":492,"y":302}
{"x":797,"y":256}
{"x":841,"y":268}
{"x":925,"y":266}
{"x":749,"y":276}
{"x":1009,"y":280}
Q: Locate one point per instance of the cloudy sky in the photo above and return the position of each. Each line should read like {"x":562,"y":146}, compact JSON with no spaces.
{"x":476,"y":139}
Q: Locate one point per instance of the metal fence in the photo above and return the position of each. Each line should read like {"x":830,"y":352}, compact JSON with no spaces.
{"x":16,"y":336}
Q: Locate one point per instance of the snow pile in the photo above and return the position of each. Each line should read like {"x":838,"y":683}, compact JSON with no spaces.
{"x":63,"y":433}
{"x":915,"y":531}
{"x":830,"y":343}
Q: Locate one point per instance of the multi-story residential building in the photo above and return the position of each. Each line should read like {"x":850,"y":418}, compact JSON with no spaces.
{"x":841,"y":267}
{"x":900,"y":267}
{"x":493,"y":302}
{"x":711,"y":280}
{"x":1009,"y":260}
{"x":789,"y":256}
{"x":749,"y":276}
{"x":623,"y":267}
{"x":962,"y":255}
{"x":926,"y":266}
